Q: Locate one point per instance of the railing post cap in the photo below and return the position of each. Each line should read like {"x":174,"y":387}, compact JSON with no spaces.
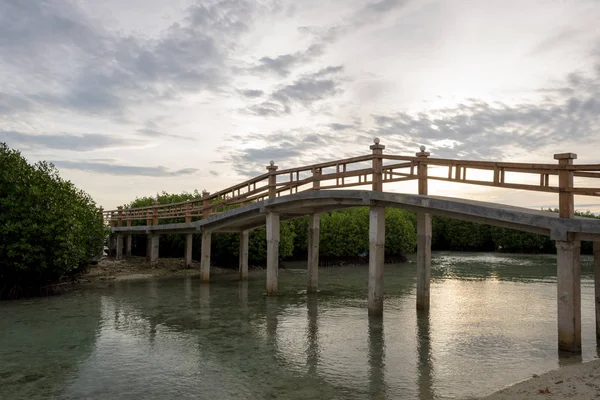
{"x":205,"y":192}
{"x":119,"y":207}
{"x":422,"y":152}
{"x":271,"y":166}
{"x":156,"y":203}
{"x":565,"y":156}
{"x":376,"y":145}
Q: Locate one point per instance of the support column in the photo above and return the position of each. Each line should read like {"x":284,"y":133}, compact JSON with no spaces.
{"x":154,"y":246}
{"x":423,"y":237}
{"x":244,"y":241}
{"x":119,"y":251}
{"x":128,"y":240}
{"x":569,"y":295}
{"x":597,"y":289}
{"x":205,"y":260}
{"x":312,"y":267}
{"x":111,"y":244}
{"x":376,"y":259}
{"x":188,"y":250}
{"x":148,"y":247}
{"x":423,"y":259}
{"x":272,"y":252}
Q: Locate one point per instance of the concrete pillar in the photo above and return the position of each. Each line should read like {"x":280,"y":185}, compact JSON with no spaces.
{"x":423,"y":259}
{"x":312,"y":267}
{"x":244,"y":242}
{"x":205,"y":254}
{"x":272,"y":252}
{"x":128,"y":240}
{"x":188,"y":250}
{"x":376,"y":259}
{"x":597,"y":289}
{"x":119,"y":250}
{"x":148,"y":247}
{"x":154,"y":245}
{"x":568,"y":296}
{"x":111,"y":244}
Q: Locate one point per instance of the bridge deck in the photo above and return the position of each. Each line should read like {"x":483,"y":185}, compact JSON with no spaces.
{"x":296,"y":205}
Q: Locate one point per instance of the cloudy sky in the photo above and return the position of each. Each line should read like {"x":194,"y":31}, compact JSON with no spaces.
{"x":131,"y":97}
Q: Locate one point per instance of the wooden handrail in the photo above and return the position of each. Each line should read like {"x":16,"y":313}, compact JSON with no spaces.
{"x":351,"y":172}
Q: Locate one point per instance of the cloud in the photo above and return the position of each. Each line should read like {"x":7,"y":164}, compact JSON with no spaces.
{"x":371,"y":13}
{"x":63,"y":141}
{"x":153,"y":130}
{"x":115,"y":169}
{"x":11,"y":104}
{"x":288,"y":148}
{"x":252,"y":93}
{"x":478,"y":129}
{"x":282,"y":65}
{"x":65,"y":59}
{"x":305,"y":91}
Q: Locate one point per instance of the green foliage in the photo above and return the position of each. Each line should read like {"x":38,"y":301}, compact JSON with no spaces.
{"x":400,"y":232}
{"x":49,"y":229}
{"x":345,"y":233}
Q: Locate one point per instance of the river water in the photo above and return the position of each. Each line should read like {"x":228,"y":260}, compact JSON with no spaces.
{"x":492,"y":322}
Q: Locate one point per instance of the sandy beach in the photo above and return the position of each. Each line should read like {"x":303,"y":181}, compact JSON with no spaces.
{"x":579,"y":382}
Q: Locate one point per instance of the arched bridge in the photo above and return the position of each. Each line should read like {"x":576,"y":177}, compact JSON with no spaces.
{"x":318,"y":188}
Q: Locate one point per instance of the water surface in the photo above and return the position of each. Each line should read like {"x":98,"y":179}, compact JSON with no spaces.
{"x":492,"y":322}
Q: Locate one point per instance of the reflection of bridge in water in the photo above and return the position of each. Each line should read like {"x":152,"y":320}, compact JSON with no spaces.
{"x":291,"y":193}
{"x":294,"y":343}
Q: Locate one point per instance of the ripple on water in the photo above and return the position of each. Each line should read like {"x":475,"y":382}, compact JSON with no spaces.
{"x":492,"y":322}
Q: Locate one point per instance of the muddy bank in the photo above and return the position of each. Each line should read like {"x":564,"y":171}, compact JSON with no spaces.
{"x":109,"y":269}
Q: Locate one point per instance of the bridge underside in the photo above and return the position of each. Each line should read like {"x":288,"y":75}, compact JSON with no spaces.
{"x":316,"y":202}
{"x":566,"y":232}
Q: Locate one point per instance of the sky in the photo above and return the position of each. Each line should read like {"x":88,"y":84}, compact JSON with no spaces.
{"x":132,"y":97}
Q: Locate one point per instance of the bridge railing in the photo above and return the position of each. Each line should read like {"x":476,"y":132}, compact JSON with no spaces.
{"x":374,"y":170}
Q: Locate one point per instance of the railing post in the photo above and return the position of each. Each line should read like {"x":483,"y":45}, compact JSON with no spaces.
{"x":155,"y":216}
{"x":376,"y":237}
{"x":377,"y":165}
{"x":272,"y":179}
{"x":205,"y":204}
{"x":120,"y":216}
{"x":423,"y":237}
{"x":568,"y":274}
{"x":316,"y":178}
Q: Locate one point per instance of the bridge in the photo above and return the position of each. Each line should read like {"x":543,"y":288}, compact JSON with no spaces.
{"x":315,"y":189}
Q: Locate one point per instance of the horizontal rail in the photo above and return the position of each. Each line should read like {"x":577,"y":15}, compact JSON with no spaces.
{"x":352,"y":172}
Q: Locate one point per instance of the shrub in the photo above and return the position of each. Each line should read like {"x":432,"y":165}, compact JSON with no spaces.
{"x":49,"y":229}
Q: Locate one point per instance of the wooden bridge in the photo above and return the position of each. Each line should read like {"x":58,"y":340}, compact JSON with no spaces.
{"x":315,"y":189}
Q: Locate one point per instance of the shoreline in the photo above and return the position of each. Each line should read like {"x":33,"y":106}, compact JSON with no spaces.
{"x":109,"y":270}
{"x":579,"y":382}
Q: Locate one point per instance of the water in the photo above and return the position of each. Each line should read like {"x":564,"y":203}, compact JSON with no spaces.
{"x":492,"y":322}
